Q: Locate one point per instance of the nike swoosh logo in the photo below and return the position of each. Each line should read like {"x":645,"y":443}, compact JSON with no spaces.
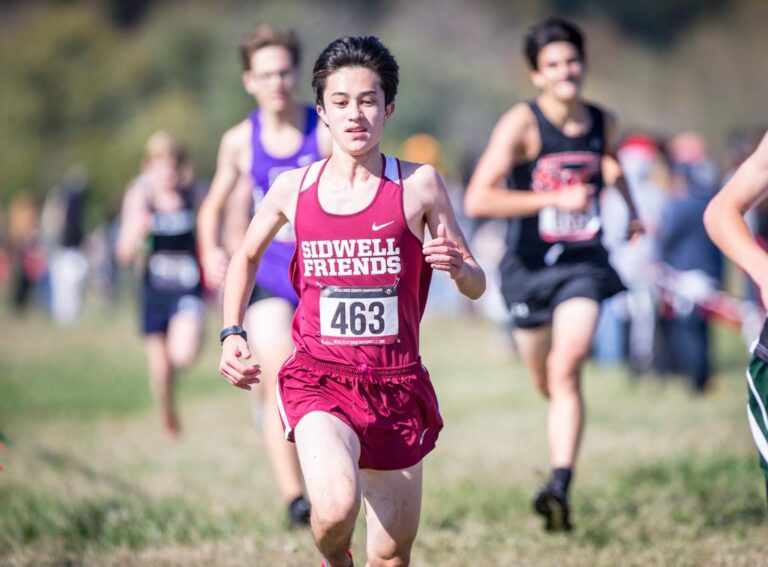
{"x":375,"y":226}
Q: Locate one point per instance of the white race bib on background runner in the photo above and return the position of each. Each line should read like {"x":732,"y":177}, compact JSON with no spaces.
{"x":173,"y":271}
{"x":358,"y":315}
{"x":560,"y":172}
{"x":557,"y":225}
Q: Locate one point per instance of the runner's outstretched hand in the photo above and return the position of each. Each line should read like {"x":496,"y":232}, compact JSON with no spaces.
{"x":443,"y":254}
{"x":232,"y":368}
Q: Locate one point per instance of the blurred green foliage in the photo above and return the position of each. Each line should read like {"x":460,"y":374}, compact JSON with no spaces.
{"x":77,"y":90}
{"x":88,"y":82}
{"x":651,"y":21}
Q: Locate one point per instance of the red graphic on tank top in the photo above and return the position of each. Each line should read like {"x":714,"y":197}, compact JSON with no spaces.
{"x":556,"y":172}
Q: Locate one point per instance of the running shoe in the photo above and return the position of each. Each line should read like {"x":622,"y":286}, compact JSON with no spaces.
{"x":553,"y":505}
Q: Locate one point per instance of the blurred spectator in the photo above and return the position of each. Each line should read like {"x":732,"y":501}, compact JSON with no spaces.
{"x":102,"y":264}
{"x":63,"y":233}
{"x":27,"y":257}
{"x":683,"y":242}
{"x":640,"y":159}
{"x":685,"y":247}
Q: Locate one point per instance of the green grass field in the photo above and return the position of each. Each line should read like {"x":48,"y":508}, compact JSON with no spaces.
{"x":90,"y":479}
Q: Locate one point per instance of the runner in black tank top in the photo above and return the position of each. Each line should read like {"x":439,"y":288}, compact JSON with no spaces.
{"x":558,"y":254}
{"x":172,"y":271}
{"x":724,"y":220}
{"x":158,"y":218}
{"x":554,"y":154}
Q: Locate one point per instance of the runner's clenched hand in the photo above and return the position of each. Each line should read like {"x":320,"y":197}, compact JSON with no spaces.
{"x":236,"y":372}
{"x":443,"y":254}
{"x":215,"y":263}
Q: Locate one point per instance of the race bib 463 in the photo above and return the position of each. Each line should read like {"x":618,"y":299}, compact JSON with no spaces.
{"x":358,"y":315}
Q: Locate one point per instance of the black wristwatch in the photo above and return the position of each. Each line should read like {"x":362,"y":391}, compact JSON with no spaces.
{"x":233,"y":330}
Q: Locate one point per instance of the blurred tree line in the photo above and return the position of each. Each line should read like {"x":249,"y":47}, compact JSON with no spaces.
{"x":87,"y":82}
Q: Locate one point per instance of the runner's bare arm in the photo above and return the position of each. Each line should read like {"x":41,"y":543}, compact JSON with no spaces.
{"x":448,"y":250}
{"x":134,"y":224}
{"x":613,"y":175}
{"x":724,"y":217}
{"x":213,"y":257}
{"x":487,"y":197}
{"x":276,"y":209}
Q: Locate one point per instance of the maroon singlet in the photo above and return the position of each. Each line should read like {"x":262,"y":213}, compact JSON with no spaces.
{"x":361,"y":278}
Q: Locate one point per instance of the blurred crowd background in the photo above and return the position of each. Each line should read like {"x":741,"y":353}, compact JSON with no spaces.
{"x":83,"y":85}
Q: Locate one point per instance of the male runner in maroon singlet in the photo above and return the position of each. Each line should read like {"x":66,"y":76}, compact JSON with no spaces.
{"x":558,"y":150}
{"x":724,"y":221}
{"x":279,"y":135}
{"x":355,"y":397}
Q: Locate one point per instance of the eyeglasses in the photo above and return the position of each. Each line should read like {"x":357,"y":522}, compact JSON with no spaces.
{"x":283,"y":75}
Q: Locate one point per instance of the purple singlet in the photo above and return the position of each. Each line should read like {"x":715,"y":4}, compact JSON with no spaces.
{"x":273,"y":270}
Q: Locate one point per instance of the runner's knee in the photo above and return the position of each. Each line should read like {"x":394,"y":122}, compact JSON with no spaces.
{"x":335,"y":504}
{"x":335,"y":511}
{"x":566,"y":358}
{"x":182,"y":356}
{"x":563,"y":369}
{"x":389,"y":553}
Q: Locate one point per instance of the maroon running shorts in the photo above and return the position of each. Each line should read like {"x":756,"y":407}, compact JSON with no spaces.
{"x":393,"y":410}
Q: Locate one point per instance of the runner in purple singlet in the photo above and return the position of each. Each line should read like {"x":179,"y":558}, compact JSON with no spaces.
{"x":281,"y":134}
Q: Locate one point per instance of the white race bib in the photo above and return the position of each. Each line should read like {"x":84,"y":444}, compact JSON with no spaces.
{"x":558,"y":225}
{"x":559,"y":172}
{"x":173,"y":271}
{"x":358,"y":315}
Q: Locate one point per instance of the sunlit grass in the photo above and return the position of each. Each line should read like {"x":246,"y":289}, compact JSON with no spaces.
{"x":665,"y":478}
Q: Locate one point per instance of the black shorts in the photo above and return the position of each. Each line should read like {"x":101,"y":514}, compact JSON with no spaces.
{"x":260,"y":293}
{"x":157,"y":310}
{"x":532,"y":293}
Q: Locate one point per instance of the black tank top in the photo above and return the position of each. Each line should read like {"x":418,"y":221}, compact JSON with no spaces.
{"x":553,"y":235}
{"x":172,"y":265}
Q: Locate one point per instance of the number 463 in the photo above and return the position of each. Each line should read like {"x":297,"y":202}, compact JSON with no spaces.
{"x":357,"y":317}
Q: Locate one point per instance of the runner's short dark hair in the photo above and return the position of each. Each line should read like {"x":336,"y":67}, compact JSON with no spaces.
{"x":550,"y":31}
{"x":362,"y":51}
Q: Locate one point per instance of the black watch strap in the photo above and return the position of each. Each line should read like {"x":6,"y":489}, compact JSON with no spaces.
{"x":233,"y":330}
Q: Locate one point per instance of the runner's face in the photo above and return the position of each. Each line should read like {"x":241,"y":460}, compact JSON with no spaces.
{"x":561,"y":71}
{"x":271,"y":79}
{"x":164,"y":172}
{"x":354,"y":109}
